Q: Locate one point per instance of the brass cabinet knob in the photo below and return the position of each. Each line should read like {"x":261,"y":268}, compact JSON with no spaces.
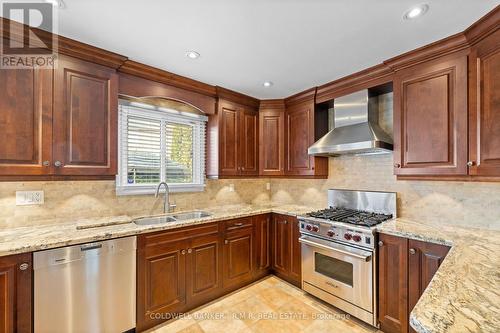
{"x":470,"y":163}
{"x":412,"y":251}
{"x":58,"y":164}
{"x":380,"y":243}
{"x":24,"y":266}
{"x":190,"y":250}
{"x":397,"y":165}
{"x":183,"y":252}
{"x":46,"y":163}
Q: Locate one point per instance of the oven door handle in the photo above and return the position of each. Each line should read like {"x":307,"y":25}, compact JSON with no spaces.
{"x":306,"y":241}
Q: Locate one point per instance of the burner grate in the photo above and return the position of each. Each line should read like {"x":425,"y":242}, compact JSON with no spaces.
{"x":351,"y":216}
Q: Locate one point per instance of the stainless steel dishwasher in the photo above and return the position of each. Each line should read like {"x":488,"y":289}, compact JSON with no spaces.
{"x":86,"y":288}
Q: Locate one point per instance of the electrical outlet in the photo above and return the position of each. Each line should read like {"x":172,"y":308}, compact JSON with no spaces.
{"x":26,"y":198}
{"x":268,"y":186}
{"x":231,"y":187}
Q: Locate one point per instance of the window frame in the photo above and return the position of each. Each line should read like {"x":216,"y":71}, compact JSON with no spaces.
{"x":164,"y":115}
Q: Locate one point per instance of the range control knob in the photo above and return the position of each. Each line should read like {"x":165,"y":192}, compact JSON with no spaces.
{"x":330,"y":233}
{"x":309,"y":227}
{"x":348,"y":236}
{"x":315,"y":228}
{"x":356,"y":238}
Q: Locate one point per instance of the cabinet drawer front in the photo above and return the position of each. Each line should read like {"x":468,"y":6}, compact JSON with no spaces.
{"x":245,"y":222}
{"x":151,"y":240}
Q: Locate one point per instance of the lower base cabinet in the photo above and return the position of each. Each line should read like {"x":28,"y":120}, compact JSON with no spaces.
{"x":180,"y":269}
{"x":15,"y":293}
{"x":285,"y":248}
{"x":405,"y":268}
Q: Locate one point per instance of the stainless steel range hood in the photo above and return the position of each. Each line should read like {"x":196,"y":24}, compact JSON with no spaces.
{"x":355,"y":129}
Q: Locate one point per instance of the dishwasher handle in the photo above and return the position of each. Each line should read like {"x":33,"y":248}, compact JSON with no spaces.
{"x":92,"y":246}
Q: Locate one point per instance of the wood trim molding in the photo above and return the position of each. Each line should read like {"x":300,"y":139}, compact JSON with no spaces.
{"x":304,"y":96}
{"x":237,"y":97}
{"x":65,"y":45}
{"x":158,"y":75}
{"x":373,"y":76}
{"x":484,"y":27}
{"x":272,"y":104}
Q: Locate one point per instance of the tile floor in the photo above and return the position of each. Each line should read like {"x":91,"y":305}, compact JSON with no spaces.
{"x":267,"y":306}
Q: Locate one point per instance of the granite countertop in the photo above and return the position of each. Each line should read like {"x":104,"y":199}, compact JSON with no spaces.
{"x":464,"y":294}
{"x":43,"y":237}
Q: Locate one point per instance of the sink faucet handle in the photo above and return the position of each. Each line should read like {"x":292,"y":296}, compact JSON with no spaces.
{"x":172,"y":205}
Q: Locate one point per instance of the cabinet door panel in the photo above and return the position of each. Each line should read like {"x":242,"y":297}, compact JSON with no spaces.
{"x":15,"y":294}
{"x":249,"y":154}
{"x":262,"y":243}
{"x":295,"y":251}
{"x":423,"y":264}
{"x":485,"y":107}
{"x":228,"y":140}
{"x":25,"y":121}
{"x":430,"y":118}
{"x":272,"y":142}
{"x":281,"y":245}
{"x":299,"y":133}
{"x":161,"y":281}
{"x":238,"y":257}
{"x":85,"y":118}
{"x":393,"y":284}
{"x":204,"y":269}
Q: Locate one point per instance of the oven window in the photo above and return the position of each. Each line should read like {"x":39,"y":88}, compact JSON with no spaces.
{"x":333,"y":268}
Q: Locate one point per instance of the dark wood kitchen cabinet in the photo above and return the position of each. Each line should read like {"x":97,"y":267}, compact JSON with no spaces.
{"x":430,"y":118}
{"x":484,"y":107}
{"x":238,"y":140}
{"x":177,"y":270}
{"x":262,"y":229}
{"x":405,"y":269}
{"x":272,"y":138}
{"x":300,"y":134}
{"x":424,"y":261}
{"x":85,"y":118}
{"x":238,"y":253}
{"x":15,"y":293}
{"x":285,"y":248}
{"x":25,"y":122}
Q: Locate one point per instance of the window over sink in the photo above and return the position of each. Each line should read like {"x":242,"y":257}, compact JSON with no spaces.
{"x":158,"y":144}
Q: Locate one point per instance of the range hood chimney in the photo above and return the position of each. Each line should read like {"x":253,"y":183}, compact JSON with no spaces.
{"x":356,"y":129}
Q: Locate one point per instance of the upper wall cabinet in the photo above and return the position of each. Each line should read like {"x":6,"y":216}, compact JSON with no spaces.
{"x":430,"y":118}
{"x":59,"y":122}
{"x":25,"y":122}
{"x":272,"y":138}
{"x":300,"y":133}
{"x":233,"y":136}
{"x":85,"y":118}
{"x":484,"y":107}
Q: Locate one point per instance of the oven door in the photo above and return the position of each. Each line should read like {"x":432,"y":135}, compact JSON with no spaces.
{"x":343,"y":271}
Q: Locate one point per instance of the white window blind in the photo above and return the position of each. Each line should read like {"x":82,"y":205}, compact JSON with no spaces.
{"x":158,"y":144}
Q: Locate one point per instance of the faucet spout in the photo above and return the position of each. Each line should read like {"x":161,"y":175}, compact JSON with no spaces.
{"x":166,"y":201}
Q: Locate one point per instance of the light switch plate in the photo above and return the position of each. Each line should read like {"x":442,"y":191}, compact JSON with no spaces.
{"x":231,"y":187}
{"x":268,"y":186}
{"x":26,"y":198}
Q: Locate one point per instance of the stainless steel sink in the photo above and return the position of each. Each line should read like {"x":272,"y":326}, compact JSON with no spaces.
{"x":154,"y":220}
{"x":197,"y":214}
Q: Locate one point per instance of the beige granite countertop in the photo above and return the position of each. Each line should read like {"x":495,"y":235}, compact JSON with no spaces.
{"x":36,"y":238}
{"x":464,"y":295}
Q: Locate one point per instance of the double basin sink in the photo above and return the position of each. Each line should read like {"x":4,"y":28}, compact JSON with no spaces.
{"x":197,"y":214}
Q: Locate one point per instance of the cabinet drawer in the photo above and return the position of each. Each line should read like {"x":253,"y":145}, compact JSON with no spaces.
{"x":245,"y":222}
{"x":167,"y":236}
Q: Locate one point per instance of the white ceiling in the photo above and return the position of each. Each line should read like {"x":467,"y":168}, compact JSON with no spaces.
{"x":297,"y":44}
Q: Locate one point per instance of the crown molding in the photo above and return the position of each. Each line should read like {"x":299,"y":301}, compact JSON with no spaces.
{"x":484,"y":27}
{"x":237,"y":97}
{"x":272,"y":104}
{"x":302,"y":97}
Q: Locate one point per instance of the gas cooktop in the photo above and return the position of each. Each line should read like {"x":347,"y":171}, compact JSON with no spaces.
{"x":351,"y":216}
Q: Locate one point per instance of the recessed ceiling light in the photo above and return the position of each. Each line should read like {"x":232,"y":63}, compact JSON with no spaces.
{"x":267,"y":84}
{"x":192,"y":54}
{"x":415,"y":12}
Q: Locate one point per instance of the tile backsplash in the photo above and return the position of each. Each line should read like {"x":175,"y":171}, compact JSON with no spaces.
{"x":460,"y":203}
{"x":475,"y":204}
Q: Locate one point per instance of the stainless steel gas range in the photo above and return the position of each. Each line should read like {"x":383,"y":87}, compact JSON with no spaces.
{"x":338,"y":250}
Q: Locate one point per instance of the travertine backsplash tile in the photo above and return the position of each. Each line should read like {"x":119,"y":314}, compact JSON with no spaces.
{"x":459,"y":203}
{"x":84,"y":199}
